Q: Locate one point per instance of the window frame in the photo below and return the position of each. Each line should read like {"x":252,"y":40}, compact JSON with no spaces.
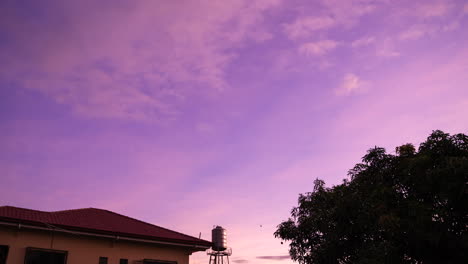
{"x":7,"y":251}
{"x":106,"y":258}
{"x":29,"y":249}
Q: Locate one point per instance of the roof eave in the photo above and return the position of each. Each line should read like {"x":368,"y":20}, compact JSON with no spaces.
{"x":202,"y":246}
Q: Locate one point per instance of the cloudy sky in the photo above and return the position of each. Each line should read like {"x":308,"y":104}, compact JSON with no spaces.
{"x":189,"y":114}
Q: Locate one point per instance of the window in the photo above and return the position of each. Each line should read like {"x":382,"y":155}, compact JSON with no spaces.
{"x":123,"y":261}
{"x":41,"y":256}
{"x":3,"y":254}
{"x":102,"y":260}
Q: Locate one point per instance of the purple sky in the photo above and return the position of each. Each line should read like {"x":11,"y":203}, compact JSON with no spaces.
{"x":188,"y":114}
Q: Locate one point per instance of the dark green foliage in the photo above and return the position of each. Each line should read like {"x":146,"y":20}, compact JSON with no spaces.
{"x":411,"y":207}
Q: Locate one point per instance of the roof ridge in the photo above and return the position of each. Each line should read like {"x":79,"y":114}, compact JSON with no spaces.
{"x":22,"y":208}
{"x":77,"y":209}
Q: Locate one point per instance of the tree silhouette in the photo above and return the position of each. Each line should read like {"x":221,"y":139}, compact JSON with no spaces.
{"x":411,"y":207}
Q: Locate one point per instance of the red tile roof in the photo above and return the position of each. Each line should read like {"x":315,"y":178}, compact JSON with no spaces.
{"x":97,"y":221}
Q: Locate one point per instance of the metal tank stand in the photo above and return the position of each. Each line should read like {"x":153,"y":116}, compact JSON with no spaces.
{"x":217,"y":257}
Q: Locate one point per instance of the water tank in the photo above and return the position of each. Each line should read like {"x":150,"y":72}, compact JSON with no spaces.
{"x":218,"y":237}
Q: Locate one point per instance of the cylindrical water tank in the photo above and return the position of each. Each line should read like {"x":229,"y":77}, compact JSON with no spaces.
{"x":218,"y":237}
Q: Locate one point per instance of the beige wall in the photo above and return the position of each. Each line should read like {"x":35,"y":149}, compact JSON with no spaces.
{"x":84,"y":249}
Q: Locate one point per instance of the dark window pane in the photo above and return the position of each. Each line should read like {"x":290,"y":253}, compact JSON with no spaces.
{"x":102,"y":260}
{"x":123,"y":261}
{"x":3,"y":254}
{"x":44,"y":256}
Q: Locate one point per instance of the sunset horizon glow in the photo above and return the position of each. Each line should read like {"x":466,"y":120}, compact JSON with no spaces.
{"x":191,"y":114}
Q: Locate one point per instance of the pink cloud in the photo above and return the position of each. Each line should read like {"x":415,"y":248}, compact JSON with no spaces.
{"x":318,"y":48}
{"x":386,"y":49}
{"x":351,"y":84}
{"x":451,"y":26}
{"x":434,"y":9}
{"x":362,"y":42}
{"x":348,"y":13}
{"x":305,"y":26}
{"x":417,"y":32}
{"x":334,"y":13}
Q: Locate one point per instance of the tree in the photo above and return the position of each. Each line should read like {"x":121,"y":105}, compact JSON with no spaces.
{"x":411,"y":207}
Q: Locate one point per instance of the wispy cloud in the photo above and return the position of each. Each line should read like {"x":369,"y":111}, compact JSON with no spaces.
{"x":386,"y":49}
{"x":305,"y":26}
{"x":334,"y":13}
{"x":366,"y":41}
{"x":413,"y":33}
{"x":351,"y":84}
{"x":318,"y":48}
{"x":348,"y":13}
{"x":434,"y":9}
{"x":133,"y":60}
{"x":423,"y":30}
{"x":451,"y":26}
{"x":283,"y":257}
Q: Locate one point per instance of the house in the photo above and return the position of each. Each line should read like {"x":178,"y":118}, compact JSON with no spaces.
{"x":87,"y":236}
